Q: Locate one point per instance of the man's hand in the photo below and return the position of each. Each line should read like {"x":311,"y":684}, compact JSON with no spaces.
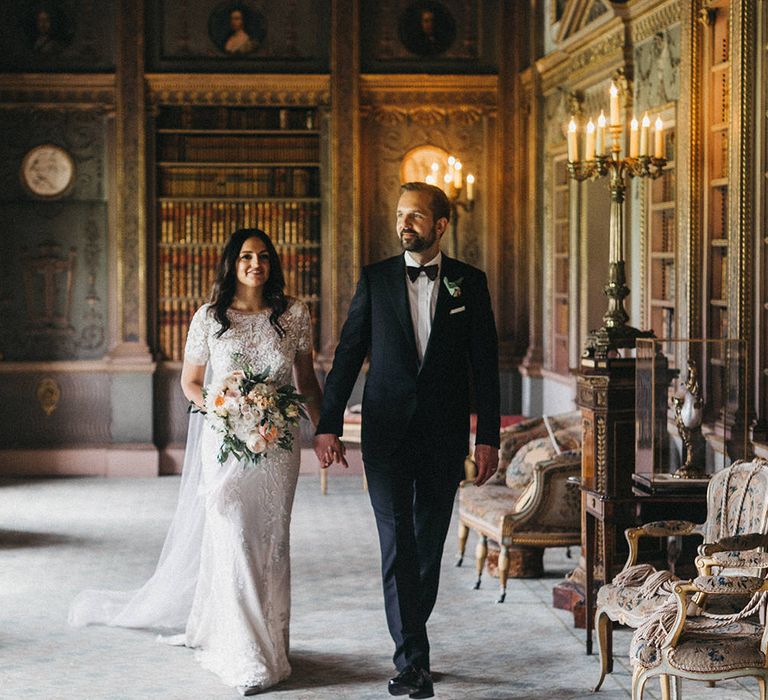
{"x":487,"y":461}
{"x":330,"y":449}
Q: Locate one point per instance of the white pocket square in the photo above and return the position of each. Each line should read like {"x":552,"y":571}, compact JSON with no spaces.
{"x":458,"y":310}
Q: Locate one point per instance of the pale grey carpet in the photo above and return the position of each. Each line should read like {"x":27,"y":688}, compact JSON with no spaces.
{"x":59,"y":536}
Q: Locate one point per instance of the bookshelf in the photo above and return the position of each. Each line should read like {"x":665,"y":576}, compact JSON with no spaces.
{"x":561,"y":262}
{"x":661,"y":265}
{"x":716,"y":85}
{"x":222,"y":168}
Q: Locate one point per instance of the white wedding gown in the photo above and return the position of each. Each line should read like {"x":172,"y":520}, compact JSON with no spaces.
{"x":224,"y":573}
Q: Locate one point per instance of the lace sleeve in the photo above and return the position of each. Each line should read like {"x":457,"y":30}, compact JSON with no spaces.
{"x":303,"y":329}
{"x":196,"y":350}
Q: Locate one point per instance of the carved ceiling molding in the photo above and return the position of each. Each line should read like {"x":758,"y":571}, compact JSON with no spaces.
{"x":582,"y":14}
{"x":220,"y":89}
{"x":451,"y":93}
{"x":426,"y":116}
{"x":590,"y":63}
{"x":645,"y":27}
{"x":46,"y":91}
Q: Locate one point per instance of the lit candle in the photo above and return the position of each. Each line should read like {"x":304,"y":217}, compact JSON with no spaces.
{"x":634,"y":138}
{"x":470,"y":187}
{"x":457,"y":175}
{"x":573,"y":148}
{"x":600,"y":145}
{"x":451,"y":161}
{"x":589,"y":146}
{"x":658,"y":138}
{"x":431,"y":180}
{"x":645,"y":132}
{"x":615,"y":116}
{"x":447,"y":181}
{"x":435,"y":167}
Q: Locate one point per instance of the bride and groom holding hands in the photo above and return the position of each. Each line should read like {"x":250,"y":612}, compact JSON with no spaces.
{"x":425,"y":323}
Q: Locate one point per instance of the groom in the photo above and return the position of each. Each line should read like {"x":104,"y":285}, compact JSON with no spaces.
{"x":426,"y":321}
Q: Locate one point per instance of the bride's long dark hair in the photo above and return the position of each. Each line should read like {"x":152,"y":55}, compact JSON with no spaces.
{"x":225,"y":286}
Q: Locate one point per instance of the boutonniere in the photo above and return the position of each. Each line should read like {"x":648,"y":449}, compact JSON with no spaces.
{"x":454,"y":288}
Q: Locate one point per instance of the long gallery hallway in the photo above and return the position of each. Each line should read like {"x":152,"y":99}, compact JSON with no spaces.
{"x":58,"y":536}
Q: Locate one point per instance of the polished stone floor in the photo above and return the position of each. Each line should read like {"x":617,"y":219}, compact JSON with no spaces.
{"x":58,"y":536}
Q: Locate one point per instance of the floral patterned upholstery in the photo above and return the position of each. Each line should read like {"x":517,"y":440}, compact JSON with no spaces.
{"x":516,"y":436}
{"x":732,"y":647}
{"x":520,"y":470}
{"x":490,"y":503}
{"x":628,"y":603}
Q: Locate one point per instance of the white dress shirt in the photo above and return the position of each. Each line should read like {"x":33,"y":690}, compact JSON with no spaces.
{"x":422,"y":298}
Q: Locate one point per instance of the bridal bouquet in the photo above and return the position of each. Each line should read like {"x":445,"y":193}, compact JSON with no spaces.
{"x":252,"y":413}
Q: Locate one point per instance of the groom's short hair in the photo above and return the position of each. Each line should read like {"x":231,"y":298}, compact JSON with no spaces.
{"x":441,"y":207}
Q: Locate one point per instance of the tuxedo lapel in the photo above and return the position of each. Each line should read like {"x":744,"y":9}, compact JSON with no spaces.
{"x":441,"y":308}
{"x":399,"y":296}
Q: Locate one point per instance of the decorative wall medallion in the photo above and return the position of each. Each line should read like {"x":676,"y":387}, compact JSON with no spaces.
{"x":48,"y":171}
{"x":48,"y":394}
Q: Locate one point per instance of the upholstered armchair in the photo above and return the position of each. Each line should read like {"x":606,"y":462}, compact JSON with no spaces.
{"x":532,"y":502}
{"x":681,"y":640}
{"x":737,"y":503}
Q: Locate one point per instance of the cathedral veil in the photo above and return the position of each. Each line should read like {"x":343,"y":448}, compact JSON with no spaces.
{"x":165,"y":600}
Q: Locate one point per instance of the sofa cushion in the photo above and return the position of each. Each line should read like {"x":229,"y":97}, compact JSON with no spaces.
{"x":514,"y":437}
{"x":520,"y":471}
{"x":489,"y":503}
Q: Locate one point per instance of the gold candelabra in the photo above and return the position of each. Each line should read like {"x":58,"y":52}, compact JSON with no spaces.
{"x":615,"y":333}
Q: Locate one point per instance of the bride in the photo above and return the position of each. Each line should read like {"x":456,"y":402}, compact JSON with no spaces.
{"x":224,"y":573}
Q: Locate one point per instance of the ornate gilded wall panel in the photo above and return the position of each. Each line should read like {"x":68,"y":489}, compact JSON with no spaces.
{"x":53,"y":254}
{"x":397,"y":119}
{"x":72,"y":36}
{"x":81,"y":416}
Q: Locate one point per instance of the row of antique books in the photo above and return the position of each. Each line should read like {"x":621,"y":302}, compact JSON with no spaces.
{"x":189,"y":271}
{"x":174,"y":316}
{"x":185,"y":181}
{"x":238,"y":149}
{"x":212,"y":222}
{"x":189,"y":117}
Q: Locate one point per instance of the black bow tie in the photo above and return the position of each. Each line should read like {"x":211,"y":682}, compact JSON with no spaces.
{"x":429,"y":270}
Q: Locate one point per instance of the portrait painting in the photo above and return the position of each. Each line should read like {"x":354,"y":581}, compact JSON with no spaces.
{"x":237,"y":29}
{"x":48,"y":28}
{"x":426,"y":28}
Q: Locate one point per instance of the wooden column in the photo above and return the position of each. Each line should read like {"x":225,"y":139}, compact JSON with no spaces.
{"x":342,"y":249}
{"x":129,"y":235}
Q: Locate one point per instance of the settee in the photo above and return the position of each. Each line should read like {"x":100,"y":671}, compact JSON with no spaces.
{"x":532,"y":502}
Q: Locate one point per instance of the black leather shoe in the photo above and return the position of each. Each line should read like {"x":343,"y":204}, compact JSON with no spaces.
{"x":414,"y":682}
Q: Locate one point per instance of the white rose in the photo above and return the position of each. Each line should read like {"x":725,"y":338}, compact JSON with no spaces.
{"x":255,"y":442}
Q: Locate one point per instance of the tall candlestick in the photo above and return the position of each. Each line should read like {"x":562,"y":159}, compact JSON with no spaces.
{"x":645,"y":132}
{"x":589,"y":146}
{"x":634,"y":137}
{"x":470,"y":187}
{"x":573,"y":147}
{"x":457,"y":175}
{"x":615,"y":116}
{"x":601,"y":141}
{"x":658,"y":139}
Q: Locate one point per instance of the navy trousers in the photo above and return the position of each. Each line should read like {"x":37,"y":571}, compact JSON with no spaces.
{"x":412,"y":493}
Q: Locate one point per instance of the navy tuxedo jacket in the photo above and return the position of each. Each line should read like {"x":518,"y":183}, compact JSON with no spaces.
{"x":433,"y":398}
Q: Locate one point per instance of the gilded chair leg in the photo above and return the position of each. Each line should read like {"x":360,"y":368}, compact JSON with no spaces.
{"x":638,"y":683}
{"x":666,"y":694}
{"x":503,"y":572}
{"x":324,"y":481}
{"x":604,"y":629}
{"x":463,"y":534}
{"x":761,"y":685}
{"x":481,"y":554}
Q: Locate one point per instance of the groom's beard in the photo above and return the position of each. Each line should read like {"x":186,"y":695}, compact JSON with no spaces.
{"x":417,"y":243}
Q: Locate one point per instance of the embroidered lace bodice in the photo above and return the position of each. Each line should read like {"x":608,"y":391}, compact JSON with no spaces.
{"x":250,"y":338}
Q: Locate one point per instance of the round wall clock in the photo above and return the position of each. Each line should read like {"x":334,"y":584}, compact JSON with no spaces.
{"x":48,"y":171}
